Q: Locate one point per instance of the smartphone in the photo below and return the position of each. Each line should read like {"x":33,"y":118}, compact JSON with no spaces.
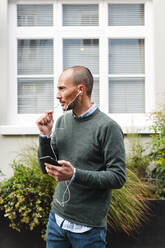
{"x":49,"y":160}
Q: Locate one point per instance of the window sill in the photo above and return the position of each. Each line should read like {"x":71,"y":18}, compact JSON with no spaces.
{"x":18,"y":130}
{"x":133,"y":123}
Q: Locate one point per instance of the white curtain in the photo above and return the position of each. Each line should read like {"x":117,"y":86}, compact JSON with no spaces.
{"x":126,"y":56}
{"x":126,"y":14}
{"x":35,"y":15}
{"x":35,"y":57}
{"x":80,"y":15}
{"x":35,"y":94}
{"x":127,"y":94}
{"x":81,"y":52}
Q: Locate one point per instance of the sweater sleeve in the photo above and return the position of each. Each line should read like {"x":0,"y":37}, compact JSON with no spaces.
{"x":112,"y":145}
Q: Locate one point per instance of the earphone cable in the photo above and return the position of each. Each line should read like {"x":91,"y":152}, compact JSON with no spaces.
{"x":63,"y":202}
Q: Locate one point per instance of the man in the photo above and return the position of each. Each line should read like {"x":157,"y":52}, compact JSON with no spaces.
{"x":90,"y":151}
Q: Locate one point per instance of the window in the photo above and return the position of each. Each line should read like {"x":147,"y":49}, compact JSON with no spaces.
{"x":126,"y":94}
{"x":113,"y":38}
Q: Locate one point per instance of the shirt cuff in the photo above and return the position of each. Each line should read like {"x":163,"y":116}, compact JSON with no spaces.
{"x":73,"y":175}
{"x":45,"y":136}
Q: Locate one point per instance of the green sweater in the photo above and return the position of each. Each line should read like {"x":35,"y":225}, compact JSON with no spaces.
{"x":94,"y":146}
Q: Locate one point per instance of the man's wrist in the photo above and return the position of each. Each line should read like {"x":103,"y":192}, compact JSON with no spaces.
{"x":45,"y":136}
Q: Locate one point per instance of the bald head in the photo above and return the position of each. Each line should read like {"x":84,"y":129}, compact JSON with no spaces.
{"x":81,"y":75}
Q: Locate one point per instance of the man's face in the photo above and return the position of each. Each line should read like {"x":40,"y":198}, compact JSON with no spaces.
{"x":67,"y":91}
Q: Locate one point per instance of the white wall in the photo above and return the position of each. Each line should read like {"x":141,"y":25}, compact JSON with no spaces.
{"x":159,"y":50}
{"x":10,"y":147}
{"x":3,"y":60}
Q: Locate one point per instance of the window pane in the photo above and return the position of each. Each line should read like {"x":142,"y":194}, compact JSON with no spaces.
{"x":35,"y":15}
{"x":81,"y":52}
{"x":126,"y":95}
{"x":80,"y":15}
{"x":126,"y":14}
{"x":126,"y":56}
{"x":35,"y":95}
{"x":95,"y":92}
{"x":35,"y":57}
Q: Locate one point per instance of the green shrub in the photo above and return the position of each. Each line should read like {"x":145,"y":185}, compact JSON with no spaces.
{"x":137,"y":160}
{"x":129,"y":207}
{"x":158,"y":177}
{"x":158,"y":151}
{"x":26,"y":197}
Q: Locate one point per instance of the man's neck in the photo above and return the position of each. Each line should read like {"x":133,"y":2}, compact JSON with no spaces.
{"x":81,"y":108}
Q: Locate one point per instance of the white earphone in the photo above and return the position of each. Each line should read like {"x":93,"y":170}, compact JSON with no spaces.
{"x":80,"y":91}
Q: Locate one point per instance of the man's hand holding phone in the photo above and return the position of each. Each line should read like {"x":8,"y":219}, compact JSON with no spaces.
{"x":63,"y":171}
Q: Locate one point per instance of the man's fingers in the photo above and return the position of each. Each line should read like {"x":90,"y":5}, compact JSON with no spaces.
{"x":49,"y":115}
{"x":49,"y":112}
{"x":53,"y":167}
{"x":60,"y":173}
{"x":45,"y":118}
{"x":54,"y":171}
{"x":41,"y":120}
{"x":64,"y":163}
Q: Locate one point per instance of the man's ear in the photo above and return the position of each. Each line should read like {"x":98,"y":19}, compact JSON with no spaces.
{"x":82,"y":89}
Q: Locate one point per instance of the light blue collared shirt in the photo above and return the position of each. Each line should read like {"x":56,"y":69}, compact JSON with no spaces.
{"x":88,"y":112}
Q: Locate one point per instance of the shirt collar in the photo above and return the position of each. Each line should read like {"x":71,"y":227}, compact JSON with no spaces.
{"x":87,"y":113}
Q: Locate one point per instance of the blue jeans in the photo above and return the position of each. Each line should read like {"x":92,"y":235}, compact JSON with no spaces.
{"x":56,"y":237}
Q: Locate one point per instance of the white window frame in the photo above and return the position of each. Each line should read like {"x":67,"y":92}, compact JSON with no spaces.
{"x":25,"y":123}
